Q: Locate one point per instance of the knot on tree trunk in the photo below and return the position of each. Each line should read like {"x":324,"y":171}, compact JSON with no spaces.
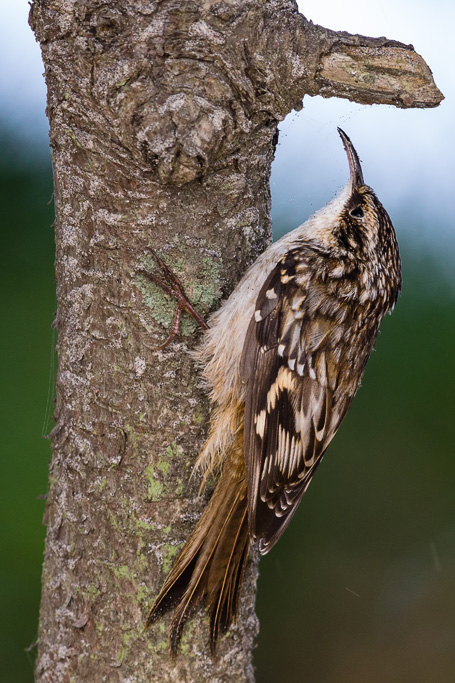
{"x":182,"y":135}
{"x":182,"y":91}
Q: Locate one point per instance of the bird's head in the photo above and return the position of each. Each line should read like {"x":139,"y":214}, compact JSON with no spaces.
{"x":363,"y":226}
{"x":354,"y":234}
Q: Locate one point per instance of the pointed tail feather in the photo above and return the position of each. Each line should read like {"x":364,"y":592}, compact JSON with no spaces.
{"x":211,"y":565}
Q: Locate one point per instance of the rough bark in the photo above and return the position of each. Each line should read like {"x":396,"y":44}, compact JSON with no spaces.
{"x":163,"y":123}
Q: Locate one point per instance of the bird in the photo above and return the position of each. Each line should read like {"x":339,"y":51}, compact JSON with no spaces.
{"x":283,"y":358}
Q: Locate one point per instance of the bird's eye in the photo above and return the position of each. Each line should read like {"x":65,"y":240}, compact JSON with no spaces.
{"x":357,"y":212}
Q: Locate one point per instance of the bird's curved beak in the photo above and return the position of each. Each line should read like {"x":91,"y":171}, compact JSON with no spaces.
{"x":354,"y":162}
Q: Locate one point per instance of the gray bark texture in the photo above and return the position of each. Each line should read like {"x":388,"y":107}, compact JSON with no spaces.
{"x":163,"y":124}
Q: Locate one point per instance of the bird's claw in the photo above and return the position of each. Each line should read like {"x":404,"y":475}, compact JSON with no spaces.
{"x":172,"y":286}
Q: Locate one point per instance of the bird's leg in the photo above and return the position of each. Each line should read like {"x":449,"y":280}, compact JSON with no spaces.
{"x":172,"y":286}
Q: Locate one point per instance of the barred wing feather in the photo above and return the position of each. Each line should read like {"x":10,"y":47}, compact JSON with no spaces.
{"x":291,"y":362}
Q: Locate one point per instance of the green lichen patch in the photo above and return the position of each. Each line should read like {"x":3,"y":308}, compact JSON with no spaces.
{"x":187,"y":639}
{"x":163,"y":466}
{"x":155,"y":488}
{"x":156,"y":643}
{"x":160,"y":646}
{"x":199,"y":277}
{"x":174,"y":450}
{"x":169,"y":553}
{"x":137,"y":523}
{"x":143,"y":593}
{"x":89,"y":593}
{"x":197,"y":416}
{"x":157,"y":474}
{"x":124,"y":572}
{"x":120,"y":656}
{"x":161,"y":304}
{"x":128,"y":636}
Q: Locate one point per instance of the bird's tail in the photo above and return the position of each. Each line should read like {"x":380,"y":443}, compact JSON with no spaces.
{"x":211,"y":565}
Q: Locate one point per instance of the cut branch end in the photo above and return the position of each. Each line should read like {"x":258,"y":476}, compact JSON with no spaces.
{"x":377,"y":71}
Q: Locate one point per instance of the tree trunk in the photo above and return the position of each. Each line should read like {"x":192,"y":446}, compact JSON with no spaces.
{"x":163,"y":124}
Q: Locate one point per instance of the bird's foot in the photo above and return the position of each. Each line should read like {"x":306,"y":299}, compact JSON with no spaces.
{"x":171,"y":284}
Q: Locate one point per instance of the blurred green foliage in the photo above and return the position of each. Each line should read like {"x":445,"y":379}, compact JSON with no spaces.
{"x":362,"y":585}
{"x":28,"y":301}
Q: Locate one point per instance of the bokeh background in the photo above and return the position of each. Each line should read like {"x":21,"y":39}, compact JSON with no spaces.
{"x":362,"y":585}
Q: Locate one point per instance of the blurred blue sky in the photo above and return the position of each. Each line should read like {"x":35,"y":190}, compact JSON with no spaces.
{"x":408,"y":155}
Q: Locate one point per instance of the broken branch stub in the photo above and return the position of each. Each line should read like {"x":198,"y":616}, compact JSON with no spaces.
{"x":390,"y":74}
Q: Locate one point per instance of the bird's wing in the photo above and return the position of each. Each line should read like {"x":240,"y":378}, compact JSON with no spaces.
{"x":293,"y":367}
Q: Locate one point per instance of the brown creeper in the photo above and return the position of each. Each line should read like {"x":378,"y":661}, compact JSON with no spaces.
{"x":283,"y":356}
